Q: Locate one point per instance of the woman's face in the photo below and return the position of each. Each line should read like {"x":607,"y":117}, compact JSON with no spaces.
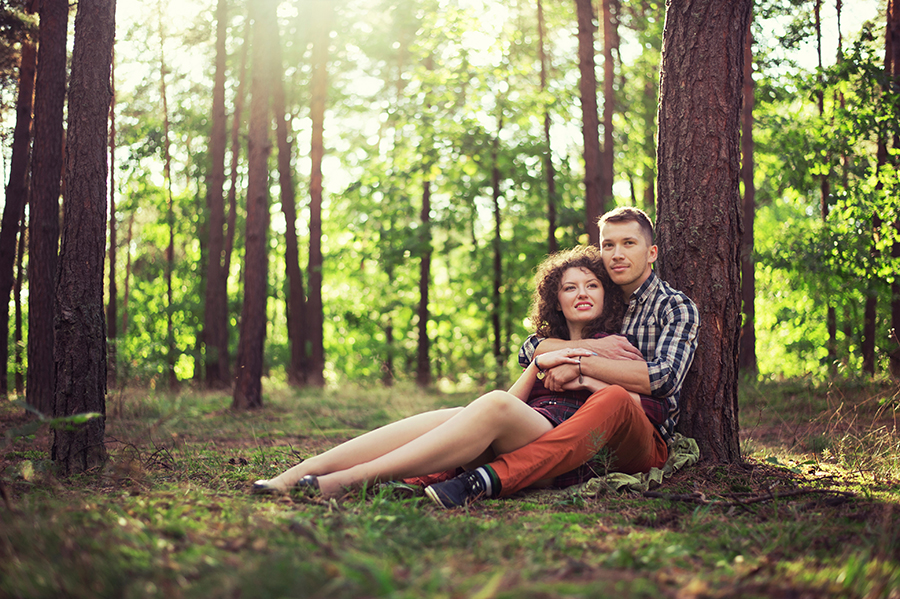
{"x":580,"y":296}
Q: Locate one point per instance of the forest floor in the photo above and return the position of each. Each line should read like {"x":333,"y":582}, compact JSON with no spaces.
{"x":813,"y":510}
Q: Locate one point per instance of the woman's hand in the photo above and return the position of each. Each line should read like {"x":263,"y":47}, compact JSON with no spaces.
{"x":561,"y":356}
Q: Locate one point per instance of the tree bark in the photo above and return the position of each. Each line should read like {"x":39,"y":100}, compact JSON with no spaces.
{"x":248,"y":387}
{"x":590,"y":126}
{"x":215,"y":314}
{"x":231,"y":221}
{"x":423,"y":363}
{"x":323,"y":10}
{"x":549,"y":170}
{"x":17,"y":300}
{"x":699,"y":220}
{"x":46,"y":174}
{"x":610,"y":43}
{"x":296,"y":295}
{"x":893,"y":42}
{"x":170,"y":210}
{"x":80,"y":328}
{"x":16,"y":196}
{"x":112,"y":303}
{"x":747,"y":354}
{"x":497,"y":245}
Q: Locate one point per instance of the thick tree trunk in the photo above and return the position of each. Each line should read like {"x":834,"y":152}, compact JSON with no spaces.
{"x":323,"y":10}
{"x":747,"y":360}
{"x":296,"y":295}
{"x":549,"y":171}
{"x":113,"y":301}
{"x":590,"y":126}
{"x":248,"y":387}
{"x":16,"y":197}
{"x":46,"y":173}
{"x":423,"y":363}
{"x":699,"y":218}
{"x":215,"y":314}
{"x":80,"y":331}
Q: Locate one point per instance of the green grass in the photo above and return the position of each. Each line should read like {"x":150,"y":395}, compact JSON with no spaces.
{"x":169,"y":515}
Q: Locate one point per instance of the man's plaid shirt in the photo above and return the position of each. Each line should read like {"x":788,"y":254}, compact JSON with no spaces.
{"x":663,"y":324}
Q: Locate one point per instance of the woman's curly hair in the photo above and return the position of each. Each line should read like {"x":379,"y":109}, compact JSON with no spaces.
{"x":546,"y":315}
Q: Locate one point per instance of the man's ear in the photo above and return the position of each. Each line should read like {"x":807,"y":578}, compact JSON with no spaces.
{"x":654,"y":252}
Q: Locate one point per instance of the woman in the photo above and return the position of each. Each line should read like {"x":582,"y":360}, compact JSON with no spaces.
{"x":574,"y":299}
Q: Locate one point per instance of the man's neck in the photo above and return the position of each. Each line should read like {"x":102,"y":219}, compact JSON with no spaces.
{"x":630,"y":289}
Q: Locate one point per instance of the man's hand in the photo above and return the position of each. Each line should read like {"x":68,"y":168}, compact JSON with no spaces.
{"x":612,"y":347}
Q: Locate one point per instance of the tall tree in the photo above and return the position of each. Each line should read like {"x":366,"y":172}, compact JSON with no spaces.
{"x":16,"y":196}
{"x":46,"y":174}
{"x":549,"y":171}
{"x":590,"y":125}
{"x":825,"y":189}
{"x":113,"y":301}
{"x":323,"y":10}
{"x":215,"y":313}
{"x":893,"y":44}
{"x":170,"y":206}
{"x":296,"y":296}
{"x":747,"y":353}
{"x":610,"y":45}
{"x":497,"y":246}
{"x":236,"y":119}
{"x":699,"y":202}
{"x":248,"y":387}
{"x":80,"y":355}
{"x":17,"y":301}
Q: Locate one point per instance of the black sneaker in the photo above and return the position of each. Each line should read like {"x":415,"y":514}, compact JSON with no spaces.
{"x":457,"y":492}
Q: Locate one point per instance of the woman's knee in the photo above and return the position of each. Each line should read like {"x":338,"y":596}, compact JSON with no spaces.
{"x":495,"y":403}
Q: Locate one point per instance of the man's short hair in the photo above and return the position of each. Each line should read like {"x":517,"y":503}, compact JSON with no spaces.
{"x":625,"y":214}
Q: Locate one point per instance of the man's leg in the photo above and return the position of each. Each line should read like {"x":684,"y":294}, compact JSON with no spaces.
{"x":609,"y":418}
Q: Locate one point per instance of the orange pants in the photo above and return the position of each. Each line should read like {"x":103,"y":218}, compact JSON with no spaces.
{"x":610,"y":418}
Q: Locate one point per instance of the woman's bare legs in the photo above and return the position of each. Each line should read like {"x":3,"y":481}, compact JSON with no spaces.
{"x":365,"y":447}
{"x":497,"y":420}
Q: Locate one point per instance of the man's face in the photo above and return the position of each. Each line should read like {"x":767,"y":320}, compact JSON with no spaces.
{"x":627,"y":254}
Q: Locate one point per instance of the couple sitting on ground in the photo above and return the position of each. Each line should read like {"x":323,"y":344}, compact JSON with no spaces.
{"x":603,"y":370}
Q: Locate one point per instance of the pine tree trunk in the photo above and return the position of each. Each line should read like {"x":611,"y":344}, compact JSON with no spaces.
{"x":893,"y":35}
{"x":423,"y":363}
{"x":497,"y":246}
{"x":296,"y":295}
{"x":216,"y":303}
{"x":699,"y":220}
{"x":16,"y":197}
{"x":46,"y":175}
{"x":610,"y":43}
{"x":549,"y":171}
{"x":590,"y":126}
{"x":112,"y":302}
{"x":17,"y":300}
{"x":170,"y":211}
{"x":747,"y":355}
{"x":80,"y":328}
{"x":231,"y":220}
{"x":248,"y":387}
{"x":322,"y":9}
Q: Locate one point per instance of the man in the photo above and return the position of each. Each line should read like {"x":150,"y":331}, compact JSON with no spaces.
{"x":651,"y":359}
